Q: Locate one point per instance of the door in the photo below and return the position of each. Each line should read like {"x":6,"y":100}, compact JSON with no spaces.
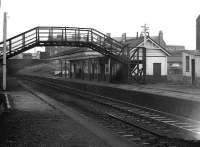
{"x":157,"y":69}
{"x":193,"y":71}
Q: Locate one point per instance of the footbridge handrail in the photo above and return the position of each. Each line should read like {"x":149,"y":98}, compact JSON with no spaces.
{"x":64,"y":36}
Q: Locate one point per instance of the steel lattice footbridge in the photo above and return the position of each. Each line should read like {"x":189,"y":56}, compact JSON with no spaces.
{"x":77,"y":37}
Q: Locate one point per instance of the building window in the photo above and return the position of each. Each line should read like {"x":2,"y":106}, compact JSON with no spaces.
{"x":187,"y":63}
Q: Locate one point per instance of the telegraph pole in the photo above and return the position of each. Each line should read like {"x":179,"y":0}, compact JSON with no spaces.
{"x":144,"y":51}
{"x":4,"y":49}
{"x":145,"y":33}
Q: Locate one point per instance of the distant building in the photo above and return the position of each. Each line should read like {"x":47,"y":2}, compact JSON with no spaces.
{"x":44,"y":55}
{"x":27,"y":55}
{"x":19,"y":56}
{"x":36,"y":55}
{"x":52,"y":50}
{"x":198,"y":33}
{"x":172,"y":48}
{"x":191,"y":65}
{"x":174,"y":62}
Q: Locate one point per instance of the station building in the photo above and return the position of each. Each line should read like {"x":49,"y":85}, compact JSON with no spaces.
{"x":84,"y":63}
{"x":156,"y":58}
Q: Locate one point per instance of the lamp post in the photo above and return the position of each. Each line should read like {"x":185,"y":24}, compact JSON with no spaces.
{"x":4,"y":49}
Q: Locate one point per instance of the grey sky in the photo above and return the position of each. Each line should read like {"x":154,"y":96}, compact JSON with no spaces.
{"x":176,"y":18}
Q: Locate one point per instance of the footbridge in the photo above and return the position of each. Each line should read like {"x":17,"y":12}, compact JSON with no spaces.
{"x":78,"y":37}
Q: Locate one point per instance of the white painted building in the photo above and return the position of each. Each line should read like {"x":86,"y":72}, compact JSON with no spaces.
{"x":156,"y":57}
{"x":191,"y":63}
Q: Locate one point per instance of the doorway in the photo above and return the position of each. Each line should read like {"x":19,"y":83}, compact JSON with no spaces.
{"x":157,"y":69}
{"x":193,"y":70}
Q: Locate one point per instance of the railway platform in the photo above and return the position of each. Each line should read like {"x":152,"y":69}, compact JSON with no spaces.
{"x":171,"y":90}
{"x":138,"y":101}
{"x":178,"y":92}
{"x":187,"y":92}
{"x":37,"y":120}
{"x":180,"y":100}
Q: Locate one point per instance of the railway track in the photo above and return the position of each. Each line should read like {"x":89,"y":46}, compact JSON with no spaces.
{"x":142,"y":125}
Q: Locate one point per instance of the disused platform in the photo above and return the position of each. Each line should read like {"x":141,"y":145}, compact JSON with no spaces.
{"x":181,"y":100}
{"x":174,"y":99}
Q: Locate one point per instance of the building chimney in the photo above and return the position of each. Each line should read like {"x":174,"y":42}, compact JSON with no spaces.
{"x":123,"y":37}
{"x":141,"y":35}
{"x":137,"y":35}
{"x":108,"y":34}
{"x":160,"y":35}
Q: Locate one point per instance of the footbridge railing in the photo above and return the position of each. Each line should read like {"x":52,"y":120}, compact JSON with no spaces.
{"x":64,"y":36}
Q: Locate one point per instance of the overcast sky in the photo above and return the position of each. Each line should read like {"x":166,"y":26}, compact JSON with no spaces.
{"x":176,"y":18}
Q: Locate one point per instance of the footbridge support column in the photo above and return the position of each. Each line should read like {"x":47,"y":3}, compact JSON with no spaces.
{"x":110,"y":69}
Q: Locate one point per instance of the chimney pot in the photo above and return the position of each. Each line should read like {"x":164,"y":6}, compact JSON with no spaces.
{"x":108,"y":34}
{"x":124,"y":37}
{"x":160,"y":35}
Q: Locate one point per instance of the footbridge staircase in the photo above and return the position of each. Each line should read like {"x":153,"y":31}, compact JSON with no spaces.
{"x":78,"y":37}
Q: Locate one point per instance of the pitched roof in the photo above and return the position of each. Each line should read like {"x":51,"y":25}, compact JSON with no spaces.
{"x":136,"y":42}
{"x":162,"y":48}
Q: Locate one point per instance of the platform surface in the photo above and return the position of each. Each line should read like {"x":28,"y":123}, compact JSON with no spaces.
{"x":184,"y":91}
{"x":188,"y":92}
{"x":33,"y":122}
